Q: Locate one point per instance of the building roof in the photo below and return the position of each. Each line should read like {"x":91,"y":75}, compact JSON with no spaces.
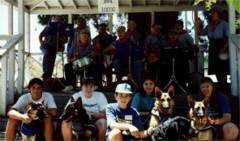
{"x":91,"y":6}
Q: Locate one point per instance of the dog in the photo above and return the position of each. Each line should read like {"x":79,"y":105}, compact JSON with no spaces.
{"x":199,"y":121}
{"x":163,"y":107}
{"x":82,"y":124}
{"x":177,"y":128}
{"x":36,"y":112}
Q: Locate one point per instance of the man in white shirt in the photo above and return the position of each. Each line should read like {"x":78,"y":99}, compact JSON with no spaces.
{"x":94,"y":102}
{"x":18,"y":113}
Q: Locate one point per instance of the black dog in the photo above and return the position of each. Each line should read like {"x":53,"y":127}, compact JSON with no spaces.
{"x":177,"y":128}
{"x":37,"y":113}
{"x":82,"y":124}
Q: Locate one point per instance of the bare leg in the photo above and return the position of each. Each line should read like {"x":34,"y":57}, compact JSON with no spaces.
{"x":48,"y":129}
{"x":11,"y":128}
{"x":115,"y":135}
{"x":67,"y":131}
{"x":101,"y":126}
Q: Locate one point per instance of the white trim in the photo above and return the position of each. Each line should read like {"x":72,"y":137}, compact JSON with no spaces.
{"x":122,"y":9}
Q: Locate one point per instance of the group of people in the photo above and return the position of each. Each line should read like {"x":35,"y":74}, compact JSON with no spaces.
{"x":131,"y":53}
{"x":127,"y":54}
{"x":114,"y":118}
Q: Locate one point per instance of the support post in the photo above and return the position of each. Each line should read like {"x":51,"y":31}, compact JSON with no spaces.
{"x":11,"y":60}
{"x":21,"y":18}
{"x":110,"y":24}
{"x":233,"y":54}
{"x":152,"y":18}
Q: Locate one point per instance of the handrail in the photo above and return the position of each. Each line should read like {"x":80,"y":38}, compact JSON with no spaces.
{"x":7,"y":75}
{"x":10,"y":44}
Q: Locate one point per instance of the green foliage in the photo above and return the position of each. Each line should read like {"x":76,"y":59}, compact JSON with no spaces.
{"x":208,"y":3}
{"x":235,"y":4}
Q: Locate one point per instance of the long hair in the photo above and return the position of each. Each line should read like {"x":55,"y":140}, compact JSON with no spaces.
{"x":212,"y":99}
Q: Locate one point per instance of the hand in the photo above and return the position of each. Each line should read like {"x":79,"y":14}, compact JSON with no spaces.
{"x":134,"y":131}
{"x":26,"y":119}
{"x":150,"y":131}
{"x":214,"y":121}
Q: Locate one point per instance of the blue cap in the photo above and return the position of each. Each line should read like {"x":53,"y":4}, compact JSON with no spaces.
{"x":123,"y":88}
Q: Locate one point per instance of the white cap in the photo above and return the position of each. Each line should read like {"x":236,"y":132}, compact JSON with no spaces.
{"x":123,"y":88}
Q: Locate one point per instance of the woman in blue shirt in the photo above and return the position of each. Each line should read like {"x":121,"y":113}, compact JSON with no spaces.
{"x":144,"y":100}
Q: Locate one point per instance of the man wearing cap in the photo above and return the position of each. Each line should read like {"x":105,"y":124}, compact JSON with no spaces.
{"x":74,"y":40}
{"x":123,"y":121}
{"x":76,"y":52}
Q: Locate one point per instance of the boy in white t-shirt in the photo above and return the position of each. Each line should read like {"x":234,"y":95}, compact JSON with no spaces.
{"x":94,"y":102}
{"x":18,"y":113}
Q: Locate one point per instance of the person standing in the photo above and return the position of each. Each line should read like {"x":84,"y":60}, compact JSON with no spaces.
{"x":218,"y":32}
{"x":52,"y":40}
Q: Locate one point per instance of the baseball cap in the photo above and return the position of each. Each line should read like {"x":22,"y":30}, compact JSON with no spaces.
{"x":85,"y":31}
{"x":123,"y":88}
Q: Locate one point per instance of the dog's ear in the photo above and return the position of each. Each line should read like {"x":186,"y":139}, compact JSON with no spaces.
{"x":158,"y":92}
{"x":30,"y":103}
{"x":79,"y":100}
{"x":191,"y":101}
{"x":205,"y":102}
{"x":171,"y":91}
{"x":71,"y":99}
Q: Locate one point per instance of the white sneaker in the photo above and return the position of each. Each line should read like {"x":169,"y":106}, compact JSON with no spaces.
{"x":68,"y":89}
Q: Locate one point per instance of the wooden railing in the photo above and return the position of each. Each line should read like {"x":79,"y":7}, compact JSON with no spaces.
{"x":7,"y":75}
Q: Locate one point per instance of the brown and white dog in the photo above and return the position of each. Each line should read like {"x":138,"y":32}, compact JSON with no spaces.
{"x":199,"y":121}
{"x":163,"y":106}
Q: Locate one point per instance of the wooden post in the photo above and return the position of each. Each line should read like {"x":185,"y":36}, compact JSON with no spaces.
{"x":233,"y":54}
{"x":110,"y":24}
{"x":152,"y":18}
{"x":11,"y":60}
{"x":21,"y":18}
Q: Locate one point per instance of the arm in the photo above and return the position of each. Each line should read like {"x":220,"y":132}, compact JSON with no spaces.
{"x":99,"y":115}
{"x":136,"y":102}
{"x":14,"y":114}
{"x":42,"y":34}
{"x":146,"y":133}
{"x":224,"y":107}
{"x":220,"y":121}
{"x":51,"y":106}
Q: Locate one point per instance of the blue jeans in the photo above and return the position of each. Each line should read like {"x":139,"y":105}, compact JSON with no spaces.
{"x":137,"y":71}
{"x":121,"y":68}
{"x":49,"y":56}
